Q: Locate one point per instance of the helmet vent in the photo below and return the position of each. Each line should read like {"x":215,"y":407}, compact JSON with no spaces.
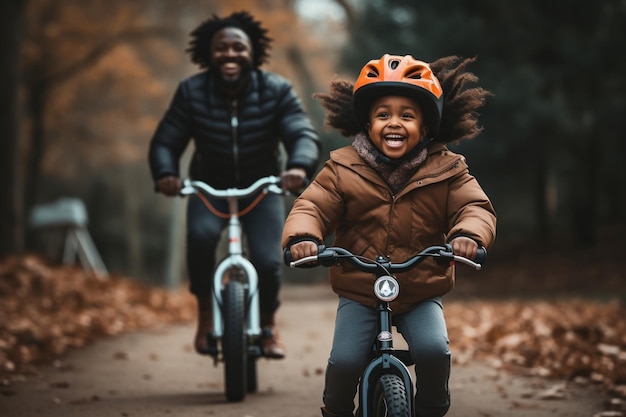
{"x":415,"y":75}
{"x":394,"y":64}
{"x":372,"y":72}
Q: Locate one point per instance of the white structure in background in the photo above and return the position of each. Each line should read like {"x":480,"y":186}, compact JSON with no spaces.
{"x":70,"y":214}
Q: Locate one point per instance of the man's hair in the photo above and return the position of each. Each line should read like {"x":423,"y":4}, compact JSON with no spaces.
{"x":200,"y":43}
{"x":460,"y":105}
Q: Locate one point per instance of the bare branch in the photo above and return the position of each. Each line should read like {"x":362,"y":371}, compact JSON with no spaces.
{"x":104,"y":47}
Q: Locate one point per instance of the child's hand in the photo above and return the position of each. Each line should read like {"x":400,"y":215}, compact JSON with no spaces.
{"x":464,"y":246}
{"x":302,"y":249}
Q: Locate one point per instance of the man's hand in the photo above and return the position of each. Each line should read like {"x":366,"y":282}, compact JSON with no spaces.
{"x":464,"y":246}
{"x":170,"y":185}
{"x":293,"y":179}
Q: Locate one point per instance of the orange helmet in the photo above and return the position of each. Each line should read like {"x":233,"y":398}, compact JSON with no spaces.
{"x":399,"y":75}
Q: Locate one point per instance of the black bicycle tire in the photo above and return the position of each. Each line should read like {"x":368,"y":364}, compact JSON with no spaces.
{"x":390,"y":397}
{"x":235,"y":351}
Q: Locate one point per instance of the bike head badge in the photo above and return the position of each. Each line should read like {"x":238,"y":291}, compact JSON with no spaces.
{"x":384,"y":336}
{"x":386,"y":288}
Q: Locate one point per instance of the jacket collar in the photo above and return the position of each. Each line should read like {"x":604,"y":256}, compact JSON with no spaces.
{"x":440,"y":165}
{"x":253,"y":84}
{"x":396,"y":172}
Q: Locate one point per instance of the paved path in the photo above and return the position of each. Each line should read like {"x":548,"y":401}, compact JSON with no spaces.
{"x":156,"y":373}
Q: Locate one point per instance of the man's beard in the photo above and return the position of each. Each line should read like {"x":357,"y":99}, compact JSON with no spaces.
{"x":234,"y":83}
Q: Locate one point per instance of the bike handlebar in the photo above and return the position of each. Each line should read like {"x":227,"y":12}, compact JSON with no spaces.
{"x":270,"y":183}
{"x":329,"y":256}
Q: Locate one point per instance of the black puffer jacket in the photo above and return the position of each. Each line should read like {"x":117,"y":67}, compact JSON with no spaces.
{"x":236,"y":142}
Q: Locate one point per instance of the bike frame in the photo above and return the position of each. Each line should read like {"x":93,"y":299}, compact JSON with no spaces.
{"x":235,"y":257}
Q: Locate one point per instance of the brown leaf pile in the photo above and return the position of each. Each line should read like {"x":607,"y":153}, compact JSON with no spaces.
{"x":45,"y":310}
{"x":579,"y":340}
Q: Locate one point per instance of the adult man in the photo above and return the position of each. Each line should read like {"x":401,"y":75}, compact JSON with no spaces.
{"x":237,"y":115}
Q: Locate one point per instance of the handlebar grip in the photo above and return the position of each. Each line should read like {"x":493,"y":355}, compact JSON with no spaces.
{"x":481,"y":255}
{"x":288,"y":258}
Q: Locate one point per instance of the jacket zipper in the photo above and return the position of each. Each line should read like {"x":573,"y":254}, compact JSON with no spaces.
{"x":234,"y":124}
{"x":394,"y":197}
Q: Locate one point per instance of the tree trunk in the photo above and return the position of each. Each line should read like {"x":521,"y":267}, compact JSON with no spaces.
{"x":36,"y":108}
{"x":542,"y":220}
{"x":132,"y":221}
{"x":11,"y":231}
{"x":586,"y":211}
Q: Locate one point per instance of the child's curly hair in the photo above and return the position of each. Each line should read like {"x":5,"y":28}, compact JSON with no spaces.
{"x":460,"y":105}
{"x":200,"y":43}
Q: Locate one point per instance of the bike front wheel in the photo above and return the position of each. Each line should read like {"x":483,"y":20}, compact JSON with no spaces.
{"x":234,"y":341}
{"x":390,"y":398}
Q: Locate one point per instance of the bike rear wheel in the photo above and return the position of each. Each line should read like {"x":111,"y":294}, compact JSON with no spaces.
{"x":234,"y":341}
{"x":390,"y":398}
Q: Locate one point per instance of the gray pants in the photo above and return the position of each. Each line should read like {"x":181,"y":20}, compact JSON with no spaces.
{"x":424,"y":329}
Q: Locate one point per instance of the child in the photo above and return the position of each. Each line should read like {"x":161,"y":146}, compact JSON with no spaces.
{"x":396,"y":190}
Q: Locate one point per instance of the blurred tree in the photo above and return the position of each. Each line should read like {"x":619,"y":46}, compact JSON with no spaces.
{"x":60,"y":45}
{"x":10,"y":208}
{"x":92,"y":86}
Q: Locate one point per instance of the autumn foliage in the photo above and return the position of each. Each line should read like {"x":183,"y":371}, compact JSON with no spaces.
{"x":575,"y":339}
{"x":46,"y":310}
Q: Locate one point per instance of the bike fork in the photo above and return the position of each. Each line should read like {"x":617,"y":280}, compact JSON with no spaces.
{"x":384,"y":363}
{"x":236,"y":259}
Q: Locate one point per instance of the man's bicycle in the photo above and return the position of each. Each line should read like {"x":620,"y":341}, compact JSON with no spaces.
{"x":386,"y":386}
{"x":237,"y":332}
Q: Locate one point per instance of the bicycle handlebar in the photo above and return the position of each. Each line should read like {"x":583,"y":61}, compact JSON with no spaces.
{"x":329,"y":256}
{"x":270,"y":183}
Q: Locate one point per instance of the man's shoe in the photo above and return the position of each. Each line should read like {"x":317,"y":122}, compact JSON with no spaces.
{"x":206,"y":345}
{"x":272,"y":344}
{"x":204,"y":342}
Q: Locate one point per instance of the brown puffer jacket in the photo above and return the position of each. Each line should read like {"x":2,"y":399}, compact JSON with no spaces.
{"x":348,"y":197}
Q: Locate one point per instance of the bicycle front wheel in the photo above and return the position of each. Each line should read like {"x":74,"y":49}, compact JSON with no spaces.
{"x":234,"y":344}
{"x":390,"y":397}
